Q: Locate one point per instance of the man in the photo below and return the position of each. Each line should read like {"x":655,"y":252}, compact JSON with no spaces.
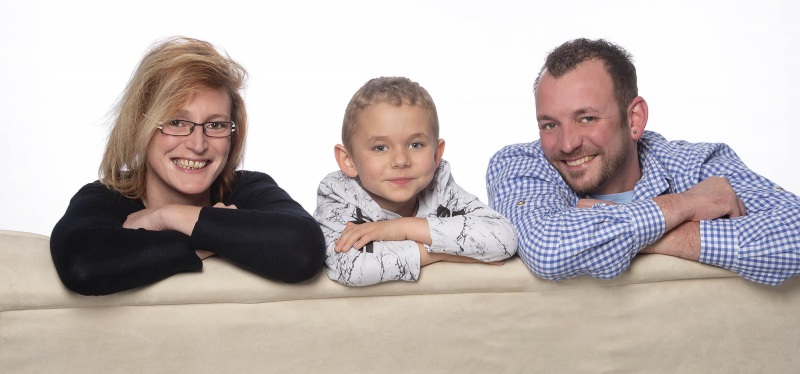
{"x":597,"y":189}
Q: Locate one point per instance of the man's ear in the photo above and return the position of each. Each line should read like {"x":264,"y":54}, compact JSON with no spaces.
{"x":437,"y":157}
{"x":345,"y":161}
{"x":637,"y":117}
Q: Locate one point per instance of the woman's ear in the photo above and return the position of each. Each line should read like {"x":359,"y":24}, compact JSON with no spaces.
{"x":345,"y":161}
{"x":637,"y":117}
{"x":437,"y":157}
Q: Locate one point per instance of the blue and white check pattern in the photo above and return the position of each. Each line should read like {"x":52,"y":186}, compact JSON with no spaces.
{"x":559,"y":241}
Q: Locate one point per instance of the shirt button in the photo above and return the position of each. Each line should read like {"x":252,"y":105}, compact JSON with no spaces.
{"x":521,"y":203}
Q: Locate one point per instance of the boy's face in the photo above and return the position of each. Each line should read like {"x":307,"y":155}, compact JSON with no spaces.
{"x":394,"y":153}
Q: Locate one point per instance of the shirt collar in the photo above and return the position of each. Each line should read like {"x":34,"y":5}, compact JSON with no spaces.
{"x":655,"y":180}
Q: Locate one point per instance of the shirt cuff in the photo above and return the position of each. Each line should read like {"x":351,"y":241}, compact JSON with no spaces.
{"x":648,"y":222}
{"x":439,"y":241}
{"x":718,"y":244}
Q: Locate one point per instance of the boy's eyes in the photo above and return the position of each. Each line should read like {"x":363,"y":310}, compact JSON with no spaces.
{"x":383,"y":148}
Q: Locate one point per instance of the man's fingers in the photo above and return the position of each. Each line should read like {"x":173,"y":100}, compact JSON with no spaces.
{"x":740,"y":209}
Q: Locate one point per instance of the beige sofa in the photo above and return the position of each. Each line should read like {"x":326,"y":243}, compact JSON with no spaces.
{"x":662,"y":315}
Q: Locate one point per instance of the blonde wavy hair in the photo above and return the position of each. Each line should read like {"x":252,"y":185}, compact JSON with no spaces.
{"x":168,"y":76}
{"x":391,"y":90}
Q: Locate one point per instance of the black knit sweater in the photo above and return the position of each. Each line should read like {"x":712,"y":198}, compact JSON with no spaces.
{"x":269,"y":234}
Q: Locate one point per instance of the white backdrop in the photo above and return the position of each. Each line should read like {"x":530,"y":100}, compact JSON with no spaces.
{"x":725,"y":72}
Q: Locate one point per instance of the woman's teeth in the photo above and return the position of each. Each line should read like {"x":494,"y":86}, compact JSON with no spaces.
{"x":189,"y":164}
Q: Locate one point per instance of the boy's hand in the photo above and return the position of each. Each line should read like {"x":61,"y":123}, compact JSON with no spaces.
{"x":427,"y":258}
{"x":356,"y":236}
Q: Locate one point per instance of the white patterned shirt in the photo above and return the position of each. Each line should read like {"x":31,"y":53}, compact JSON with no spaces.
{"x":460,"y":224}
{"x":558,"y":240}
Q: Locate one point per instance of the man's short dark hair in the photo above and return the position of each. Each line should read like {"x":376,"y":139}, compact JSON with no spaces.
{"x":617,"y":60}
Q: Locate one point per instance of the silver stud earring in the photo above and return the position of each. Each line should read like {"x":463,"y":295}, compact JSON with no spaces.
{"x":634,"y":132}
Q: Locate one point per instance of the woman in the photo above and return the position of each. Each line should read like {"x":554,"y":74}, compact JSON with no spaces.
{"x":169,"y":194}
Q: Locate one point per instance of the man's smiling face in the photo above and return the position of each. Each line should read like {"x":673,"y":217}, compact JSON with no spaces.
{"x":582,"y":132}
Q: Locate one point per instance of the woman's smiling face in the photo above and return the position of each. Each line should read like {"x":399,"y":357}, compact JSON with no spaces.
{"x":181,"y":169}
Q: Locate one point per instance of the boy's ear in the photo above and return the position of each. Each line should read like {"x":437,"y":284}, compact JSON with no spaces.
{"x":345,"y":161}
{"x":437,"y":157}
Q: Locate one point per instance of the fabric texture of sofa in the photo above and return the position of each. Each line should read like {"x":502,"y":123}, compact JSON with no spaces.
{"x":662,"y":315}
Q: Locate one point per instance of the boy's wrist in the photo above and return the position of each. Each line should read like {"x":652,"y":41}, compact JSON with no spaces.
{"x":416,"y":229}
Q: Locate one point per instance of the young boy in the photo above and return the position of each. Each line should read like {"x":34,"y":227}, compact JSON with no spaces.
{"x":394,"y":207}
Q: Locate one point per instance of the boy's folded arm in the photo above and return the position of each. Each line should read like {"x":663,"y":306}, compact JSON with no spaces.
{"x":356,"y":236}
{"x":483,"y":234}
{"x":378,"y":262}
{"x":375,"y":261}
{"x":381,"y":260}
{"x":470,"y":228}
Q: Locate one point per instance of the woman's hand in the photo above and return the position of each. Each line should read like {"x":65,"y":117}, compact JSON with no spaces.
{"x":221,"y":205}
{"x":204,"y":254}
{"x":175,"y":217}
{"x":148,"y":219}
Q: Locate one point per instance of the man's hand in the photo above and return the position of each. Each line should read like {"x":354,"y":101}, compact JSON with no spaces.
{"x":710,"y":199}
{"x":588,"y":203}
{"x":355,"y":236}
{"x":714,"y":198}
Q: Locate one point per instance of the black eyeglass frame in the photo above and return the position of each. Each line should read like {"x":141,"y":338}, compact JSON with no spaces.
{"x":202,"y":125}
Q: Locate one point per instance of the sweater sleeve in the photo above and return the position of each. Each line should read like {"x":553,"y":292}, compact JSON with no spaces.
{"x":269,"y":233}
{"x":377,"y":262}
{"x":464,"y":226}
{"x":94,"y":255}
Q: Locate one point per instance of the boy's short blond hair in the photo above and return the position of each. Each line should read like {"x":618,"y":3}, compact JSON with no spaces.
{"x":391,"y":90}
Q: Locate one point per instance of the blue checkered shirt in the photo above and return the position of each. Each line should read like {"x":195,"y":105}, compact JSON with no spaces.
{"x":558,"y":240}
